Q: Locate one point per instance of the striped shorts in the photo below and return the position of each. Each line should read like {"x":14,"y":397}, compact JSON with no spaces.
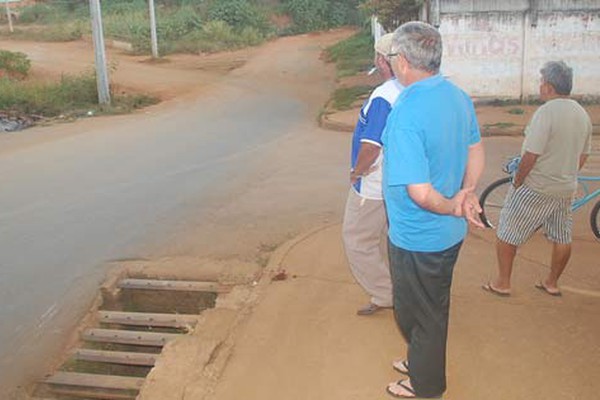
{"x":526,"y":210}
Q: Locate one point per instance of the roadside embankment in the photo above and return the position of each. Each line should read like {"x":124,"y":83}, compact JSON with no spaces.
{"x":506,"y":120}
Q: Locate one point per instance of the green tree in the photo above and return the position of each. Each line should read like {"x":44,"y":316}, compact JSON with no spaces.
{"x":393,"y":13}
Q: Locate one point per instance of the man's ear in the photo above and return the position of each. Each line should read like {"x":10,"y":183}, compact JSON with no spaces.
{"x":402,"y":64}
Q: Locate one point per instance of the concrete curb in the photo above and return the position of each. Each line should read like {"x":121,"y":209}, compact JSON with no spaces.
{"x":332,"y":122}
{"x":282,"y":251}
{"x":326,"y":123}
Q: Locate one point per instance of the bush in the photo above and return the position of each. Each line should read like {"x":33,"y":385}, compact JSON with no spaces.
{"x":39,"y":13}
{"x":65,"y":32}
{"x":123,"y":7}
{"x":310,"y":15}
{"x":181,"y":24}
{"x":48,"y":99}
{"x":14,"y":64}
{"x":134,"y":27}
{"x":182,"y":28}
{"x":178,"y":24}
{"x":217,"y":36}
{"x":73,"y":95}
{"x":238,"y":14}
{"x":344,"y":98}
{"x":352,"y":55}
{"x":250,"y":36}
{"x":53,"y":12}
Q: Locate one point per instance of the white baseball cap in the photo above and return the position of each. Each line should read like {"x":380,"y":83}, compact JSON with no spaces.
{"x":384,"y":45}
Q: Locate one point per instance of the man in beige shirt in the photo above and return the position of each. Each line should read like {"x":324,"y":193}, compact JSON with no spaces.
{"x":557,"y":144}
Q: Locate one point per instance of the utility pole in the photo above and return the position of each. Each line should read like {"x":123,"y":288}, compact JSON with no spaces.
{"x":99,"y":53}
{"x":153,"y":29}
{"x":10,"y":25}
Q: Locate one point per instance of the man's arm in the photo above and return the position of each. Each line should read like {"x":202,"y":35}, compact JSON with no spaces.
{"x":582,"y":159}
{"x":464,"y":203}
{"x":525,"y":166}
{"x":367,"y":155}
{"x":475,"y":165}
{"x":425,"y":195}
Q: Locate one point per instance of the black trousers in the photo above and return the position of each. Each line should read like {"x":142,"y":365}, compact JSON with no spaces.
{"x":421,"y":291}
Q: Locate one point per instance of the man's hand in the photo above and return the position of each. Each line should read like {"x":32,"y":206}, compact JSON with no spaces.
{"x":354,"y":176}
{"x":472,"y":210}
{"x":466,"y":204}
{"x":367,"y":155}
{"x":525,"y":166}
{"x":457,"y":202}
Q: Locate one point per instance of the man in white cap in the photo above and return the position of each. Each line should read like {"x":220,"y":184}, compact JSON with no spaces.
{"x":365,"y":222}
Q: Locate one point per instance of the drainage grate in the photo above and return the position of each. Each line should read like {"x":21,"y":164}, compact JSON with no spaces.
{"x":116,"y":356}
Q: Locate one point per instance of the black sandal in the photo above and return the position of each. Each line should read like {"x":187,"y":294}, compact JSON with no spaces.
{"x":401,"y":366}
{"x":405,"y":387}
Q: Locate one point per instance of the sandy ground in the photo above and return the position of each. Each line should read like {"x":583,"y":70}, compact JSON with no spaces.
{"x":299,"y":338}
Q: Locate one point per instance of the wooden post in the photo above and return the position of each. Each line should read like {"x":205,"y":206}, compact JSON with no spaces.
{"x":153,"y":37}
{"x":99,"y":53}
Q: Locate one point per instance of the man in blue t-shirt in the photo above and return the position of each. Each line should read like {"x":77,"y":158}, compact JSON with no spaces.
{"x":433,"y":158}
{"x":364,"y":218}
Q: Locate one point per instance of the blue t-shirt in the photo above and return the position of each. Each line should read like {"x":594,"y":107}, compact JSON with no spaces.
{"x":426,"y":140}
{"x":369,"y":128}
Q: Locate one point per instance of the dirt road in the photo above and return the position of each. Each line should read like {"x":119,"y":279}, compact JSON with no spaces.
{"x":299,"y":338}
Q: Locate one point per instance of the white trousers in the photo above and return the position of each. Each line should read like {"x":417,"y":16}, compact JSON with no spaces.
{"x":364,"y":232}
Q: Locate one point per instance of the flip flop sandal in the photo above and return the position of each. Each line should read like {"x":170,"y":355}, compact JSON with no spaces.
{"x":404,"y":386}
{"x":490,"y":289}
{"x":369,"y":309}
{"x":544,"y":289}
{"x":401,"y":366}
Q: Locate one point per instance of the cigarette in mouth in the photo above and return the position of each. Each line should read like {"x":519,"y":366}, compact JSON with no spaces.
{"x":372,"y":71}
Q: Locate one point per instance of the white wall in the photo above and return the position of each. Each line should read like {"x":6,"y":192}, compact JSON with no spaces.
{"x":573,"y":38}
{"x":499,"y":53}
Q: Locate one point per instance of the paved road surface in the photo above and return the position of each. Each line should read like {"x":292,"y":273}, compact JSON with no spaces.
{"x":68,"y":206}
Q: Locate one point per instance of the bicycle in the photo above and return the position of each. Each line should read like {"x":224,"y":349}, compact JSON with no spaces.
{"x":492,"y":198}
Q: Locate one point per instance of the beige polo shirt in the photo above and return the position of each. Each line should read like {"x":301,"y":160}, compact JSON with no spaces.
{"x":559,"y":132}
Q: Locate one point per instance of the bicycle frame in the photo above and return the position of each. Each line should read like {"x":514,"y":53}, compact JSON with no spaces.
{"x":512,"y":166}
{"x":577,"y":202}
{"x":587,"y":195}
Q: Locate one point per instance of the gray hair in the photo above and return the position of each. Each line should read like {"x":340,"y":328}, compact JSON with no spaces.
{"x":559,"y":75}
{"x":420,"y":44}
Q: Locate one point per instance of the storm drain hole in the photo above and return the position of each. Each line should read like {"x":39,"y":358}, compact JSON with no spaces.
{"x":114,"y":357}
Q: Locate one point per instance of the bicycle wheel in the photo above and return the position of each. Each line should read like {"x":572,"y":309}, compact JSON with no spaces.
{"x":492,"y":201}
{"x":595,"y":220}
